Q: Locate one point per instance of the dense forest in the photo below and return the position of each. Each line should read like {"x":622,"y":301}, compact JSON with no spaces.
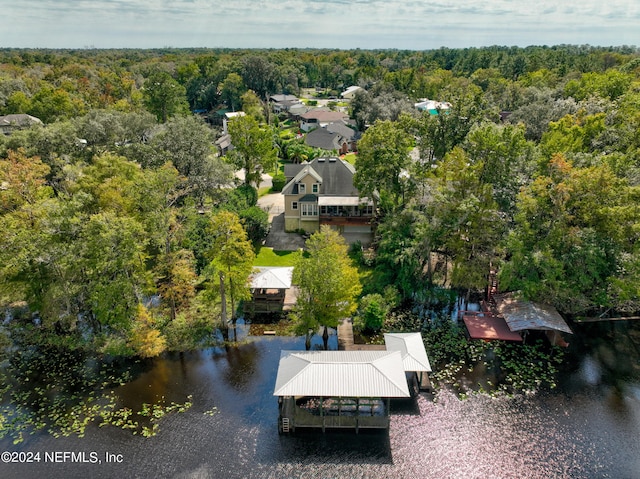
{"x":123,"y":231}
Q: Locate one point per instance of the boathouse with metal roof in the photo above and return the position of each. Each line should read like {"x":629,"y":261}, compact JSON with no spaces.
{"x":414,"y":356}
{"x":271,"y":290}
{"x":338,"y":389}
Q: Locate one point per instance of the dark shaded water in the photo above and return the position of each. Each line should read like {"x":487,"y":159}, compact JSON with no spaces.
{"x":590,"y":429}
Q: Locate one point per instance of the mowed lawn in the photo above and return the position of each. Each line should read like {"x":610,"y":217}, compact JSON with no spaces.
{"x":269,"y":257}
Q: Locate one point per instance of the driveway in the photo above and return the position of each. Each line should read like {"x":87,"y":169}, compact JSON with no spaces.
{"x":273,"y":204}
{"x":277,"y":238}
{"x":280,"y":240}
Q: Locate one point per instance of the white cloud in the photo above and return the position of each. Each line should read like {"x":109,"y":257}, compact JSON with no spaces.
{"x":320,"y":23}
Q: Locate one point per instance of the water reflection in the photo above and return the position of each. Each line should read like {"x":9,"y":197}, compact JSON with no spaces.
{"x":241,"y":365}
{"x":588,"y":429}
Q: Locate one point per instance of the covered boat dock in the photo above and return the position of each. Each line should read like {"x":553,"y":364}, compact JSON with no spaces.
{"x":338,"y":389}
{"x":509,"y":317}
{"x":521,"y":315}
{"x":414,"y":356}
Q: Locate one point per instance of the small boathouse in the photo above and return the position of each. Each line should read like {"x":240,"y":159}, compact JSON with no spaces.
{"x":507,"y":317}
{"x":271,"y":290}
{"x":338,"y":389}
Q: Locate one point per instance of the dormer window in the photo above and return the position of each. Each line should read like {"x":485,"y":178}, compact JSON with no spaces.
{"x":315,"y":188}
{"x":302,"y":188}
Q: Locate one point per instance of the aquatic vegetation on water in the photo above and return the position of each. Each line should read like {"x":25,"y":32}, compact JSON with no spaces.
{"x":63,"y":392}
{"x":491,"y":367}
{"x":496,"y":367}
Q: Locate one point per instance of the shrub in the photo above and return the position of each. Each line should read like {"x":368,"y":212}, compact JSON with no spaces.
{"x":372,"y":313}
{"x":278,"y":182}
{"x":241,"y":198}
{"x":256,"y":223}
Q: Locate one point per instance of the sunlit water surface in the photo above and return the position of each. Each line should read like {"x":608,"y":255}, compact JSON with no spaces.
{"x":590,"y":429}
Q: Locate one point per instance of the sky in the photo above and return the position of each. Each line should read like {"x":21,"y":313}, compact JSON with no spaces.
{"x":342,"y":24}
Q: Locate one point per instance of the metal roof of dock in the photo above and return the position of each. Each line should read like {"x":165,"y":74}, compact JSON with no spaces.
{"x":521,"y":315}
{"x":272,"y":278}
{"x":378,"y":374}
{"x":487,"y":326}
{"x":411,"y":347}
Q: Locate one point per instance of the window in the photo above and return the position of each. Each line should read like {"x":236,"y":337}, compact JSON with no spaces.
{"x":302,"y":188}
{"x":366,"y":210}
{"x":309,"y":209}
{"x":315,"y":188}
{"x":294,"y":205}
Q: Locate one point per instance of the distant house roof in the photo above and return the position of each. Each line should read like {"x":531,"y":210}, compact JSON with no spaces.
{"x":287,"y":104}
{"x":432,"y":106}
{"x":272,"y":278}
{"x":376,"y":374}
{"x":350,"y":91}
{"x":224,"y":142}
{"x":411,"y":347}
{"x":324,"y":139}
{"x":281,"y":97}
{"x":336,"y":176}
{"x":19,"y":119}
{"x":343,"y":130}
{"x":234,"y":114}
{"x":521,"y":315}
{"x":299,"y":109}
{"x":324,"y":116}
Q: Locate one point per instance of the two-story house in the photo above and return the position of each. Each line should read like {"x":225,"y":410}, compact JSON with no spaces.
{"x":321,"y":192}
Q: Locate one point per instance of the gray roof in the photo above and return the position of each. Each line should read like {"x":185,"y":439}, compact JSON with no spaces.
{"x":281,"y":97}
{"x":324,"y":139}
{"x":411,"y":347}
{"x":299,"y":109}
{"x":309,"y":198}
{"x":521,"y":315}
{"x":291,"y":188}
{"x":342,"y":129}
{"x":19,"y":119}
{"x":224,"y":141}
{"x":336,"y":176}
{"x":292,"y":169}
{"x":377,"y":374}
{"x":323,"y":115}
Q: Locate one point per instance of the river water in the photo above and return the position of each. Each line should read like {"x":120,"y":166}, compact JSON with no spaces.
{"x":589,"y":428}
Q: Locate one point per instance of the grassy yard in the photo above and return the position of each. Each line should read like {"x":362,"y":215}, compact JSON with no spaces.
{"x":264,"y":190}
{"x":269,"y":257}
{"x":350,"y":158}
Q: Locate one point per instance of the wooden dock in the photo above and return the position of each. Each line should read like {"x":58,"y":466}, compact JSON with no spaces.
{"x":345,"y":334}
{"x":347,"y":343}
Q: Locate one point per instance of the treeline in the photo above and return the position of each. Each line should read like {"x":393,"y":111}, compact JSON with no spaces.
{"x":61,"y":84}
{"x":117,"y":217}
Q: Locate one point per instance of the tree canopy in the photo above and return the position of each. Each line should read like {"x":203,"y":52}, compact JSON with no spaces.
{"x":106,"y":209}
{"x":328,"y":283}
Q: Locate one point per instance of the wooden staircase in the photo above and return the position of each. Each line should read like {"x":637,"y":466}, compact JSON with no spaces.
{"x":492,"y":284}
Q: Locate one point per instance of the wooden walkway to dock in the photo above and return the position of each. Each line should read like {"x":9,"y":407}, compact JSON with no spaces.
{"x":346,"y":342}
{"x":345,"y":334}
